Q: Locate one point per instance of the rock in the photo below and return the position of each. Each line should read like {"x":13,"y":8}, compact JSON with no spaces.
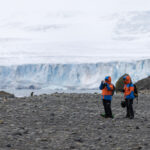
{"x":148,"y":125}
{"x":10,"y":137}
{"x":12,"y":125}
{"x":8,"y":145}
{"x":139,"y":147}
{"x":32,"y":134}
{"x":1,"y":121}
{"x":146,"y":144}
{"x":52,"y":114}
{"x":17,"y":132}
{"x":26,"y":131}
{"x":143,"y":84}
{"x":78,"y":139}
{"x":118,"y":148}
{"x":4,"y":94}
{"x":44,"y":139}
{"x":72,"y":147}
{"x":119,"y":84}
{"x":45,"y":147}
{"x":99,"y":139}
{"x":37,"y":140}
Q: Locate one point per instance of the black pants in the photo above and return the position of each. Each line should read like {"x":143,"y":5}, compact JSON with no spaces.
{"x":107,"y":108}
{"x":130,"y":112}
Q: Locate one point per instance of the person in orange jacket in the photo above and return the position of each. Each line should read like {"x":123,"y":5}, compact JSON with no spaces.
{"x":129,"y":96}
{"x":107,"y":89}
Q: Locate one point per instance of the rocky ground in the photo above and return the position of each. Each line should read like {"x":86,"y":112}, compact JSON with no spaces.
{"x":72,"y":122}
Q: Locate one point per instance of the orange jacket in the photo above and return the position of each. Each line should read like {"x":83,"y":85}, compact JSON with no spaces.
{"x":128,"y":88}
{"x":106,"y":88}
{"x":105,"y":91}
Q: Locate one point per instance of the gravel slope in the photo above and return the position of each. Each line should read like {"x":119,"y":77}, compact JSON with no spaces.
{"x":72,"y":121}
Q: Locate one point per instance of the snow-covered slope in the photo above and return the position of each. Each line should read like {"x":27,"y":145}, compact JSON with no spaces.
{"x":69,"y":76}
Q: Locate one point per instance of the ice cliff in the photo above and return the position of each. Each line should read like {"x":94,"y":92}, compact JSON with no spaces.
{"x":72,"y":76}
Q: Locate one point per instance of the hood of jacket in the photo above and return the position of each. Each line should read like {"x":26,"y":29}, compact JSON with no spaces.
{"x":127,"y":79}
{"x":108,"y":79}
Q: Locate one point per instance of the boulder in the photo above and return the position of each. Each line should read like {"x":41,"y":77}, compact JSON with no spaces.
{"x":143,"y":84}
{"x":120,"y":84}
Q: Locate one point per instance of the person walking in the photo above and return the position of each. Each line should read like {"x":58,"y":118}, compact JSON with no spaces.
{"x":107,"y":91}
{"x":129,"y":96}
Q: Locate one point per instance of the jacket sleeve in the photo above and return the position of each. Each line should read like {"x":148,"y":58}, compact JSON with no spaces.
{"x":130,"y":94}
{"x":109,"y":87}
{"x":101,"y":87}
{"x":131,"y":89}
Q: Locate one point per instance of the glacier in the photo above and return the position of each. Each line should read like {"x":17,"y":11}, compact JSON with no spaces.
{"x":83,"y":76}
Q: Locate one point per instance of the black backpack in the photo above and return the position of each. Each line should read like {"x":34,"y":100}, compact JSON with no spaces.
{"x":135,"y":91}
{"x":114,"y":89}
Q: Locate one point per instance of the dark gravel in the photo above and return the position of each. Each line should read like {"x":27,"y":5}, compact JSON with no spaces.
{"x":72,"y":122}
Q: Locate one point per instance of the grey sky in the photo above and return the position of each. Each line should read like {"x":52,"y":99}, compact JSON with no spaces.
{"x":74,"y":27}
{"x":82,"y":5}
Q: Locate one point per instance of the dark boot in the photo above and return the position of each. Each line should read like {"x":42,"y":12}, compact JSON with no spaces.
{"x":131,"y":117}
{"x":104,"y":115}
{"x":127,"y":115}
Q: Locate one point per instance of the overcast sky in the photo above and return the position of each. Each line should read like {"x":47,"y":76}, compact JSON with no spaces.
{"x":103,"y":6}
{"x":75,"y":27}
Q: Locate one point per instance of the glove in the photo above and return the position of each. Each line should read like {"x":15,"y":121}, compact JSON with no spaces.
{"x":105,"y":84}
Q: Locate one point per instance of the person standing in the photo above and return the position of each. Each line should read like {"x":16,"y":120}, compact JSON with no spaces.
{"x":107,"y":92}
{"x":129,"y":96}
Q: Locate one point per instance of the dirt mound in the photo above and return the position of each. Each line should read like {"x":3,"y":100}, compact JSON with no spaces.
{"x":4,"y":94}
